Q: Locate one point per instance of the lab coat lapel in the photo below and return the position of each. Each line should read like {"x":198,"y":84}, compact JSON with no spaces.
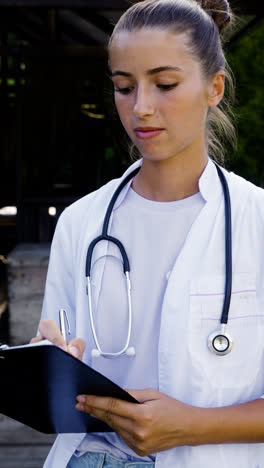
{"x":204,"y":240}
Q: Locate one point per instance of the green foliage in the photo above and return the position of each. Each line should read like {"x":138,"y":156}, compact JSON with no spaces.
{"x":246,"y":60}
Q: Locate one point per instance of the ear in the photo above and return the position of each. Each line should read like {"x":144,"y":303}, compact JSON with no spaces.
{"x":216,"y":89}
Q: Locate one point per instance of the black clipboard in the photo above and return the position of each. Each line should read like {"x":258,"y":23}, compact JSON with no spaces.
{"x":39,"y":385}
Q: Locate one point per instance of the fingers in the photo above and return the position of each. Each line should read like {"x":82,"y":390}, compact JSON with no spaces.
{"x":36,"y":339}
{"x":49,"y":330}
{"x":109,"y":405}
{"x":117,"y":422}
{"x":76,"y":347}
{"x":129,"y":420}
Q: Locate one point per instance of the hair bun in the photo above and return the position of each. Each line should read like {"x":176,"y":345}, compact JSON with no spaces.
{"x":219,"y":11}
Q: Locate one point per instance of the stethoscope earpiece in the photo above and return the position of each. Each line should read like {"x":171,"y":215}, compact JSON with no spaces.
{"x":95,"y":353}
{"x":131,"y":351}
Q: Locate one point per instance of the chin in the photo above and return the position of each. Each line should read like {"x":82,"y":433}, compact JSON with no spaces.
{"x":155,"y":157}
{"x":157,"y":153}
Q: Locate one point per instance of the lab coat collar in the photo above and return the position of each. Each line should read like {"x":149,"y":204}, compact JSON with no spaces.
{"x":126,"y":188}
{"x":208,"y":183}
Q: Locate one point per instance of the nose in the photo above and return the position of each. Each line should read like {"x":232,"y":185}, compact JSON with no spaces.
{"x":144,"y":103}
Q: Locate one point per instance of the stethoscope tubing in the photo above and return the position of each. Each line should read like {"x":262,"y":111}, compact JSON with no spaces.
{"x":228,"y":248}
{"x":125,"y":347}
{"x":126,"y":267}
{"x":104,"y":235}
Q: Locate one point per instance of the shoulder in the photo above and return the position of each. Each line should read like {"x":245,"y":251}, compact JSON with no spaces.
{"x":93,"y":205}
{"x":240,"y":186}
{"x":76,"y":217}
{"x":246,"y":196}
{"x":95,"y":201}
{"x":78,"y":210}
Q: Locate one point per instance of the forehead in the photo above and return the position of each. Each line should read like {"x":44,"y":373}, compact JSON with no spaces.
{"x":150,"y":48}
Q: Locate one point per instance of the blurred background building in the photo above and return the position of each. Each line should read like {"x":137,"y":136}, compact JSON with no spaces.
{"x":60,"y":138}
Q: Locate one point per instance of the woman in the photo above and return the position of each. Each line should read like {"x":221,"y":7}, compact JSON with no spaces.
{"x":198,"y":409}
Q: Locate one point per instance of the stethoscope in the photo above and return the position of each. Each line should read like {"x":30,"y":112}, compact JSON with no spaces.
{"x":219,"y":342}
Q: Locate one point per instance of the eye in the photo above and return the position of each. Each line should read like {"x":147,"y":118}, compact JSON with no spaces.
{"x":167,"y":87}
{"x":124,"y":90}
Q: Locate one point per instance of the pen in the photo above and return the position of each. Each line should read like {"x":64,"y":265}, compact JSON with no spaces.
{"x":64,"y":325}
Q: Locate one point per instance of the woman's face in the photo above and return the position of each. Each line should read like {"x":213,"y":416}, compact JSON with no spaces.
{"x":160,"y":94}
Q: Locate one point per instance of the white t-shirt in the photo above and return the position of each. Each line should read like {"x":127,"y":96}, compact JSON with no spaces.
{"x":160,"y":229}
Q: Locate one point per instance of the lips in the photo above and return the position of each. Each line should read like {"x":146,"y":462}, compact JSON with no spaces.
{"x":147,"y":129}
{"x":144,"y":133}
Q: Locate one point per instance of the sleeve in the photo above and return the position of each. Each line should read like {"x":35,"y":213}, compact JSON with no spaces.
{"x":60,"y":287}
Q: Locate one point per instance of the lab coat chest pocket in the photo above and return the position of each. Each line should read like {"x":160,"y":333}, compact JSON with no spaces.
{"x":240,"y":367}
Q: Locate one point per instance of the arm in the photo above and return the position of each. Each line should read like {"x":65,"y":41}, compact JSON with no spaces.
{"x":161,"y":422}
{"x":59,"y":290}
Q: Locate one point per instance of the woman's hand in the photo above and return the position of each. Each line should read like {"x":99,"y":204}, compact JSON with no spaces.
{"x":161,"y":422}
{"x":158,"y":423}
{"x":49,"y":330}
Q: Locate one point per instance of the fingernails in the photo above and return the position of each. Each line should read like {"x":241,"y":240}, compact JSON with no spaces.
{"x":74,"y":351}
{"x":79,"y":407}
{"x":81,"y":399}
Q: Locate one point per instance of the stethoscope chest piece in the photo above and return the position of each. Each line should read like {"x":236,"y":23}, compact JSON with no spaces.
{"x":220,"y":342}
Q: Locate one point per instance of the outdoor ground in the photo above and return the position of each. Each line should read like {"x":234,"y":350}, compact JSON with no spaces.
{"x":22,"y":447}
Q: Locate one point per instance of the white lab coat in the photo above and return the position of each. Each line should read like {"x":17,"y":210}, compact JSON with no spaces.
{"x":191,"y":310}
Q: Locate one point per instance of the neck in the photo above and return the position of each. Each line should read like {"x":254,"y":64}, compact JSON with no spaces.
{"x":171,"y":179}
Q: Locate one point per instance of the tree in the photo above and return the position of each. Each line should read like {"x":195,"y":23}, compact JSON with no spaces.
{"x":246,"y":61}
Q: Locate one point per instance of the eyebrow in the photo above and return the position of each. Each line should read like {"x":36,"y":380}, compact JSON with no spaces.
{"x":153,"y":71}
